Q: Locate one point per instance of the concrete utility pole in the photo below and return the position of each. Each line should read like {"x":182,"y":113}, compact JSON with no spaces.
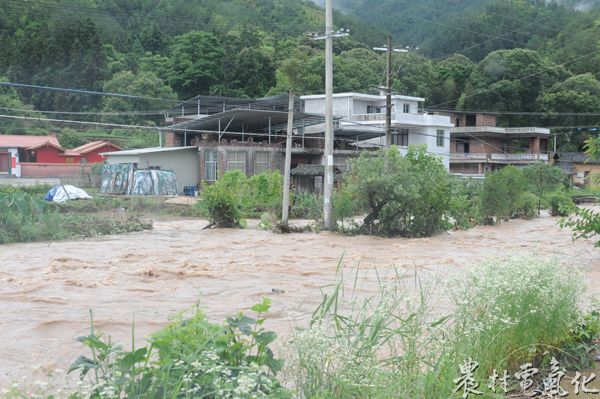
{"x":288,"y":163}
{"x":329,"y":35}
{"x":328,"y":152}
{"x":388,"y":89}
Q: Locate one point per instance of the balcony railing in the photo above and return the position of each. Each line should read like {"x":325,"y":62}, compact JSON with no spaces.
{"x":417,"y":119}
{"x":469,"y":156}
{"x":520,"y":157}
{"x":498,"y":157}
{"x":368,"y":117}
{"x":500,"y":130}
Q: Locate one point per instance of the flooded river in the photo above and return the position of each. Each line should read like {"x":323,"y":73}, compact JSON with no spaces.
{"x":47,"y":289}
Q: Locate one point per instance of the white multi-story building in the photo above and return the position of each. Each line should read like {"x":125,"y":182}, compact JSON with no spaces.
{"x":365,"y":113}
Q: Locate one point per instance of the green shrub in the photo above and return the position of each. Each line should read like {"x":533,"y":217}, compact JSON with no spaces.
{"x":526,"y":206}
{"x":402,"y":196}
{"x":306,"y":206}
{"x":346,"y":208}
{"x":501,"y":190}
{"x":465,"y":204}
{"x":561,"y":204}
{"x":264,"y":193}
{"x":223,"y":201}
{"x":543,"y":179}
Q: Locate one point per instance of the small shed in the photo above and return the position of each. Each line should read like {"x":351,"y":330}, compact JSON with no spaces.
{"x":308,"y":178}
{"x":181,"y":160}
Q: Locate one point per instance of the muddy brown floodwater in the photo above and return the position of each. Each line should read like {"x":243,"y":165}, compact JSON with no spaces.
{"x":47,"y":289}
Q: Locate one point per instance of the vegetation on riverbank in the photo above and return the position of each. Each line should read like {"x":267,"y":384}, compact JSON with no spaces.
{"x":393,"y":195}
{"x":26,"y":217}
{"x":507,"y":312}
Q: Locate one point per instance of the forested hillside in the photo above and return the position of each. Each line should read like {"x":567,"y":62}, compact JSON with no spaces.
{"x":497,"y":55}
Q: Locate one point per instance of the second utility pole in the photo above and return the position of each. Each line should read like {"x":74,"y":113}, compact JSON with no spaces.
{"x":328,"y":152}
{"x":388,"y":94}
{"x":388,"y":87}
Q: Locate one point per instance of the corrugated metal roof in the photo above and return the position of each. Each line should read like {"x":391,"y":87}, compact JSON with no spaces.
{"x":250,"y":120}
{"x":146,"y":151}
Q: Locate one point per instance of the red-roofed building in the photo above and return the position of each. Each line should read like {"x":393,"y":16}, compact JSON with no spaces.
{"x":32,"y":152}
{"x":90,"y":152}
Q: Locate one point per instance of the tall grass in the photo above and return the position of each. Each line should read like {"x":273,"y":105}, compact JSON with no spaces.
{"x":508,"y":312}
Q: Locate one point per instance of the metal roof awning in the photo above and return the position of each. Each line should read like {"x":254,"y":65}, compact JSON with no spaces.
{"x":208,"y":105}
{"x":250,"y":120}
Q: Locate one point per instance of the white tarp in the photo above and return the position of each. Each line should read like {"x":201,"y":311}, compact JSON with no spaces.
{"x":64,"y":193}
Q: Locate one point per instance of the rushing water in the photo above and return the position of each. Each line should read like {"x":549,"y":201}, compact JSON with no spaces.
{"x":47,"y":289}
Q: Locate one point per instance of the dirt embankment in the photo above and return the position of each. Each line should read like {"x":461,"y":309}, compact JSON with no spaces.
{"x":47,"y":289}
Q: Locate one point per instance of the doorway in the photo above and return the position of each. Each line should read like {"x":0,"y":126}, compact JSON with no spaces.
{"x":4,"y":162}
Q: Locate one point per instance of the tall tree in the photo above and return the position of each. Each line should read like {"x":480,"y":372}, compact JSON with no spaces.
{"x":196,"y":60}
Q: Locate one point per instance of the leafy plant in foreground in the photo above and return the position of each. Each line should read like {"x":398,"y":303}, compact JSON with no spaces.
{"x":190,"y":358}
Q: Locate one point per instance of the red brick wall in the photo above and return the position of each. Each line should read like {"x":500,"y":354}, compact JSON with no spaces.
{"x":486,"y":120}
{"x":29,"y":169}
{"x":488,"y":145}
{"x":480,"y":120}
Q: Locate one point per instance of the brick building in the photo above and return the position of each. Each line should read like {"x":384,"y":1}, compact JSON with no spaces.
{"x":478,"y":146}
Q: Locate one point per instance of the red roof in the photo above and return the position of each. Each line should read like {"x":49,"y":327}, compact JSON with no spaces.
{"x":23,"y":141}
{"x":89,"y":147}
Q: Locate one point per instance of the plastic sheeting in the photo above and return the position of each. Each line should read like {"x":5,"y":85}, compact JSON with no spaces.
{"x":116,"y":178}
{"x":154,"y":182}
{"x":126,"y":180}
{"x":64,"y":193}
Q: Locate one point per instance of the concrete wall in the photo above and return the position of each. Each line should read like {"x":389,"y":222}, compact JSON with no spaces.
{"x":39,"y":169}
{"x":183,"y":162}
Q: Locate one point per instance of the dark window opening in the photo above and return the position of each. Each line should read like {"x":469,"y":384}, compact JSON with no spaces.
{"x":471,"y":120}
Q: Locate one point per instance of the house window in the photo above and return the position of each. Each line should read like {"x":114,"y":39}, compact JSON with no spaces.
{"x":210,"y":165}
{"x":406,"y":108}
{"x":262,"y":162}
{"x":400,"y":138}
{"x":236,"y":160}
{"x":371,"y":109}
{"x":441,"y":136}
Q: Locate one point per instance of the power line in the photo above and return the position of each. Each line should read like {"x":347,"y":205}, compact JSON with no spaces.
{"x":87,"y":92}
{"x":93,"y":113}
